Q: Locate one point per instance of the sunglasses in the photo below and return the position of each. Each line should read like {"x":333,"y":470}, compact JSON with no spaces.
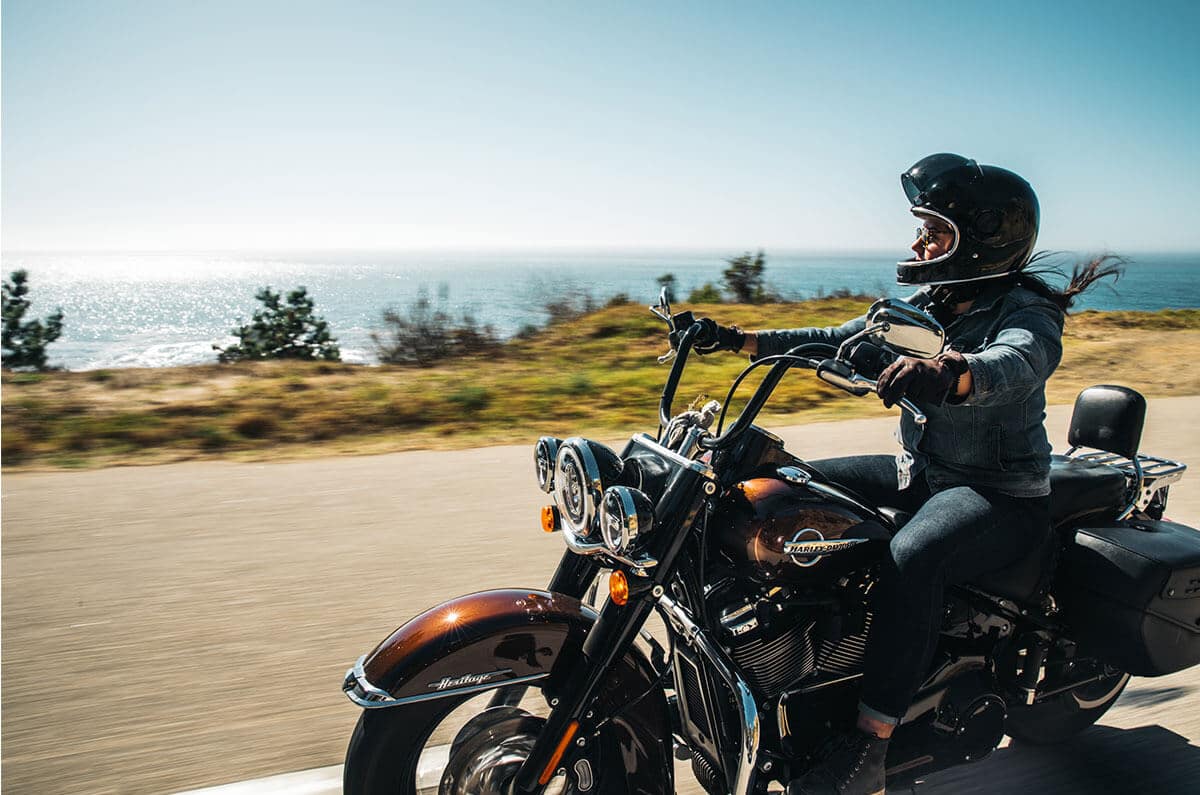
{"x":927,"y":235}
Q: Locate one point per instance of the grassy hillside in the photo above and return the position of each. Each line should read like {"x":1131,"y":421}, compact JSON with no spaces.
{"x":596,"y":374}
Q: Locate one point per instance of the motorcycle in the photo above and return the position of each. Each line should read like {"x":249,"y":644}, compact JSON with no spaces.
{"x":762,"y":572}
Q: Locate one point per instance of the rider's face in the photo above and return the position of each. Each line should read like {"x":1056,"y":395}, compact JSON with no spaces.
{"x":934,"y":240}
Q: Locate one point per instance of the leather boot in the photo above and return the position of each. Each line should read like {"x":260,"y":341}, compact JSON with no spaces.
{"x":856,"y":767}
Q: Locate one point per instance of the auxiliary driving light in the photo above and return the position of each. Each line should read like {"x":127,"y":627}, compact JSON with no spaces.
{"x":545,"y":455}
{"x":624,"y":514}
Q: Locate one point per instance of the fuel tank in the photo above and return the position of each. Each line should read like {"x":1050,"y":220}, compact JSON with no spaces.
{"x":775,"y":529}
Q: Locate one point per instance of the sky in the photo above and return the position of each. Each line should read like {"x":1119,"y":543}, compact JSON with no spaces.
{"x":383,"y":125}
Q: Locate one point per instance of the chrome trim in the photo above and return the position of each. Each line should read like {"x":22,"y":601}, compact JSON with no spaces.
{"x":794,"y":475}
{"x":366,"y":695}
{"x":647,"y":441}
{"x":957,"y":239}
{"x":891,"y":314}
{"x":576,"y":449}
{"x":828,"y":683}
{"x":1095,"y":702}
{"x":581,"y":547}
{"x":871,"y":328}
{"x":1140,"y":479}
{"x":1148,"y":474}
{"x":855,"y":380}
{"x":681,"y":620}
{"x":545,"y":461}
{"x":626,"y":519}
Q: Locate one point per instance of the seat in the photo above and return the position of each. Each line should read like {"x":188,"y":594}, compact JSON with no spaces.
{"x":1081,"y":489}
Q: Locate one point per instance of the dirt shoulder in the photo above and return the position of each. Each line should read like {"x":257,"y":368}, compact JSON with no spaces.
{"x":172,"y":627}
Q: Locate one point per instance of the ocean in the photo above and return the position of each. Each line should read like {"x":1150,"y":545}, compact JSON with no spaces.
{"x":168,"y":309}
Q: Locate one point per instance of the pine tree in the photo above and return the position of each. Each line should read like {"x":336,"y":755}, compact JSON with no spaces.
{"x":25,"y":343}
{"x":282,"y":331}
{"x":744,"y":277}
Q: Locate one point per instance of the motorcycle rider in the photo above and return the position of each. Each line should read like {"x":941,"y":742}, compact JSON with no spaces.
{"x":976,"y":476}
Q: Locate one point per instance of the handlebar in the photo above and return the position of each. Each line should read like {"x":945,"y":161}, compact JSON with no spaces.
{"x":838,"y":376}
{"x":681,"y":356}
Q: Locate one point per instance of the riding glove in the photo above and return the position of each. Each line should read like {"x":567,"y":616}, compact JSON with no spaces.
{"x":921,"y":380}
{"x":714,"y":337}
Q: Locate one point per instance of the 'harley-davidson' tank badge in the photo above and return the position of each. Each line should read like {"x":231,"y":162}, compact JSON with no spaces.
{"x":808,"y":546}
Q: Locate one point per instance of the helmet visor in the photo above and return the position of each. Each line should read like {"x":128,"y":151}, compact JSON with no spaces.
{"x":925,"y":172}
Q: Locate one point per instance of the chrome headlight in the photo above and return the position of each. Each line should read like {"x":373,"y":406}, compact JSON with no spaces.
{"x":581,"y":470}
{"x":545,"y":457}
{"x":624,"y":514}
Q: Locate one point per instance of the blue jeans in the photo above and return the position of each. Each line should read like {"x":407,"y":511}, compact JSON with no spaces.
{"x":954,"y":536}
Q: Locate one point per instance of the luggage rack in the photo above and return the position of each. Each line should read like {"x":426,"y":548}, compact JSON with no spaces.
{"x":1147,"y":474}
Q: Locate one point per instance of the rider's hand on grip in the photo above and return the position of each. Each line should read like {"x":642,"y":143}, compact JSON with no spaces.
{"x":714,"y":337}
{"x":924,"y":380}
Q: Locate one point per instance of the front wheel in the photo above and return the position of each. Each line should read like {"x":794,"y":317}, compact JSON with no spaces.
{"x":468,"y":746}
{"x":1060,"y":718}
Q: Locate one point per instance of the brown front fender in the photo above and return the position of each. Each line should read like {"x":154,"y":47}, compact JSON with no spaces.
{"x":491,"y":639}
{"x":482,"y":641}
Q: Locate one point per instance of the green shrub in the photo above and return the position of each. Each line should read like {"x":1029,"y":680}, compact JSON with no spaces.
{"x":707,"y":294}
{"x":471,"y":398}
{"x":427,"y":335}
{"x":281,"y":330}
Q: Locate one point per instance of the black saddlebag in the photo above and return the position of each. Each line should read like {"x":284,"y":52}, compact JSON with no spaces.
{"x":1131,"y":594}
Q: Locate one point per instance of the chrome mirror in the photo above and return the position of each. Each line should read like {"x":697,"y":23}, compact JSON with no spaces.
{"x":903,"y":328}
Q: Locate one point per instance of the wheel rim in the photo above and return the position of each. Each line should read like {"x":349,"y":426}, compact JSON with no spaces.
{"x":477,"y":749}
{"x":486,"y":761}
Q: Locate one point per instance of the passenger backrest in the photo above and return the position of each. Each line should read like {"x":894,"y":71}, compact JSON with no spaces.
{"x":1108,"y":418}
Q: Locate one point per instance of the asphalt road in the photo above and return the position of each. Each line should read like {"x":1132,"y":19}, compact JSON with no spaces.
{"x":167,"y":628}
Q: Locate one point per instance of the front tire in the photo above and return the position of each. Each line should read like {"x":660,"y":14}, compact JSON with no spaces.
{"x":1060,"y":718}
{"x":445,"y":746}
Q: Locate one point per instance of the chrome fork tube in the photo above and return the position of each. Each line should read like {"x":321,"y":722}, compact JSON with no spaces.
{"x":692,"y":634}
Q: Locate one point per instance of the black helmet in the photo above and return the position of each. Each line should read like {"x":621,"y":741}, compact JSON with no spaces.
{"x":992,"y":212}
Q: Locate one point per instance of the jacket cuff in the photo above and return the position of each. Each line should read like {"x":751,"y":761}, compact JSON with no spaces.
{"x":981,"y":378}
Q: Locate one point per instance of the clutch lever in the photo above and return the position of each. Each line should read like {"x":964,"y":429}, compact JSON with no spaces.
{"x":842,"y":375}
{"x":678,"y":324}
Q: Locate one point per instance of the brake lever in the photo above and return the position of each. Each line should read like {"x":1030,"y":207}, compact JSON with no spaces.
{"x":918,"y":416}
{"x":841,"y":374}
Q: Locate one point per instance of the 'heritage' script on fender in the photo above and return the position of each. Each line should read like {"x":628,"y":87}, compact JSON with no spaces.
{"x":466,"y":680}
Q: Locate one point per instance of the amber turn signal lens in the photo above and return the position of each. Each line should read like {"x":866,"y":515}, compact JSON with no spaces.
{"x":618,"y":587}
{"x":549,"y":518}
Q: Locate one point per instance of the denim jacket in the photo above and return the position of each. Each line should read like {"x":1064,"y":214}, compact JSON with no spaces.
{"x":995,"y":437}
